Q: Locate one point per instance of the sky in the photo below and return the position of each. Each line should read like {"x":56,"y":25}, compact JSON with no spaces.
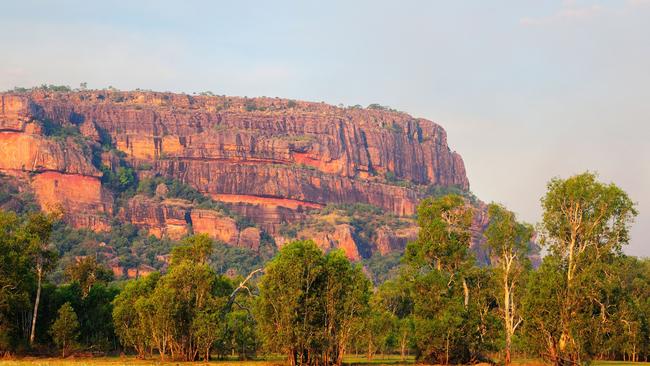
{"x":527,"y":90}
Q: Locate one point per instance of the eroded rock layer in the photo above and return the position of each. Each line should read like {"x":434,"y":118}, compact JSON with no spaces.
{"x":271,"y":160}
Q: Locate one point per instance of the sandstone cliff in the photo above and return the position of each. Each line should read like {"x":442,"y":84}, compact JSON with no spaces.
{"x":272,"y":160}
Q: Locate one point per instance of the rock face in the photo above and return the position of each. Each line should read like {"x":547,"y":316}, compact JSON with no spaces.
{"x":175,"y":218}
{"x":388,"y":240}
{"x":271,"y":160}
{"x":166,"y":218}
{"x":59,"y":171}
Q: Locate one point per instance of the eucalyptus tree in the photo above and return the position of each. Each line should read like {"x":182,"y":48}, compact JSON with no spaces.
{"x":584,"y":227}
{"x":65,"y":328}
{"x":309,"y":303}
{"x":508,"y":242}
{"x":36,"y":234}
{"x":179,"y":314}
{"x":449,"y":324}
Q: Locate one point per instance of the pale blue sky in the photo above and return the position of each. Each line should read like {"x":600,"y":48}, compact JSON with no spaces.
{"x":527,"y":90}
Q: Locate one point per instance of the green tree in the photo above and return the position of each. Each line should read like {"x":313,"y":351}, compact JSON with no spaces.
{"x":65,"y":329}
{"x":309,"y":303}
{"x":584,"y":226}
{"x":16,"y":281}
{"x":290,"y":306}
{"x":241,"y":333}
{"x":179,"y":314}
{"x":207,"y":329}
{"x":196,"y":249}
{"x":392,"y":301}
{"x":87,"y":272}
{"x":508,"y":242}
{"x":132,"y":329}
{"x":627,"y":335}
{"x":36,"y":232}
{"x":346,"y":292}
{"x":450,"y":325}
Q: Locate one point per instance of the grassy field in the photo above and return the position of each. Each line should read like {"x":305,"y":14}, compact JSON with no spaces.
{"x":128,"y":361}
{"x":351,"y":360}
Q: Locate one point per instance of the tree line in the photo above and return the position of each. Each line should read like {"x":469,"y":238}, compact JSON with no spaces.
{"x":586,"y":300}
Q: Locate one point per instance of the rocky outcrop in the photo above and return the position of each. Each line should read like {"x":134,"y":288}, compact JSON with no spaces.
{"x":25,"y":152}
{"x":14,"y":112}
{"x":388,"y":240}
{"x":175,"y":218}
{"x":271,"y":160}
{"x":168,"y":218}
{"x":216,"y":225}
{"x":270,"y":148}
{"x":60,"y":171}
{"x":250,"y":238}
{"x":81,"y":199}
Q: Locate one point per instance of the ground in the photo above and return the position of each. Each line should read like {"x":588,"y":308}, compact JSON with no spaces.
{"x":351,"y":360}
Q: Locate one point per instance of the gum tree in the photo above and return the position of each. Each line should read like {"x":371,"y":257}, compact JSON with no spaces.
{"x":584,"y":226}
{"x":508,"y":242}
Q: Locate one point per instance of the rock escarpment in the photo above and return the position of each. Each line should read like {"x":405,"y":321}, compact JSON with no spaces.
{"x":274,"y":161}
{"x":60,"y":171}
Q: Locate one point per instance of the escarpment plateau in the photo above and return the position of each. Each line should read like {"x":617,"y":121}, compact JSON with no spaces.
{"x":275,"y":162}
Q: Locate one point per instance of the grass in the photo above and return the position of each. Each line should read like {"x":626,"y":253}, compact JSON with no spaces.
{"x":130,"y":360}
{"x":352,"y":360}
{"x":537,"y":362}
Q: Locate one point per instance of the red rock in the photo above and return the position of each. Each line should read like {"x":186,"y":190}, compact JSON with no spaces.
{"x":388,"y":240}
{"x":166,"y":218}
{"x":216,"y":225}
{"x":34,"y":153}
{"x":269,"y":159}
{"x":82,"y":199}
{"x":342,"y":237}
{"x":88,"y":129}
{"x":14,"y":112}
{"x":249,"y":238}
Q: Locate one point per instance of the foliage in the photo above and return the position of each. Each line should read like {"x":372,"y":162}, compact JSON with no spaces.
{"x":16,"y":281}
{"x":86,"y":272}
{"x":379,"y":107}
{"x":391,"y":178}
{"x":65,"y":329}
{"x":122,"y":180}
{"x":508,"y":242}
{"x":251,"y":105}
{"x":61,"y":132}
{"x":587,"y":300}
{"x":55,"y":88}
{"x":383,"y":267}
{"x":365,"y":219}
{"x":309,"y":303}
{"x":133,"y":247}
{"x":451,"y":307}
{"x":13,"y":199}
{"x":179,"y":313}
{"x":584,"y":226}
{"x":440,"y":191}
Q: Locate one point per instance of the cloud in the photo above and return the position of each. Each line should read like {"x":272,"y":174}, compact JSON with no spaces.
{"x":569,"y":12}
{"x":634,"y":3}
